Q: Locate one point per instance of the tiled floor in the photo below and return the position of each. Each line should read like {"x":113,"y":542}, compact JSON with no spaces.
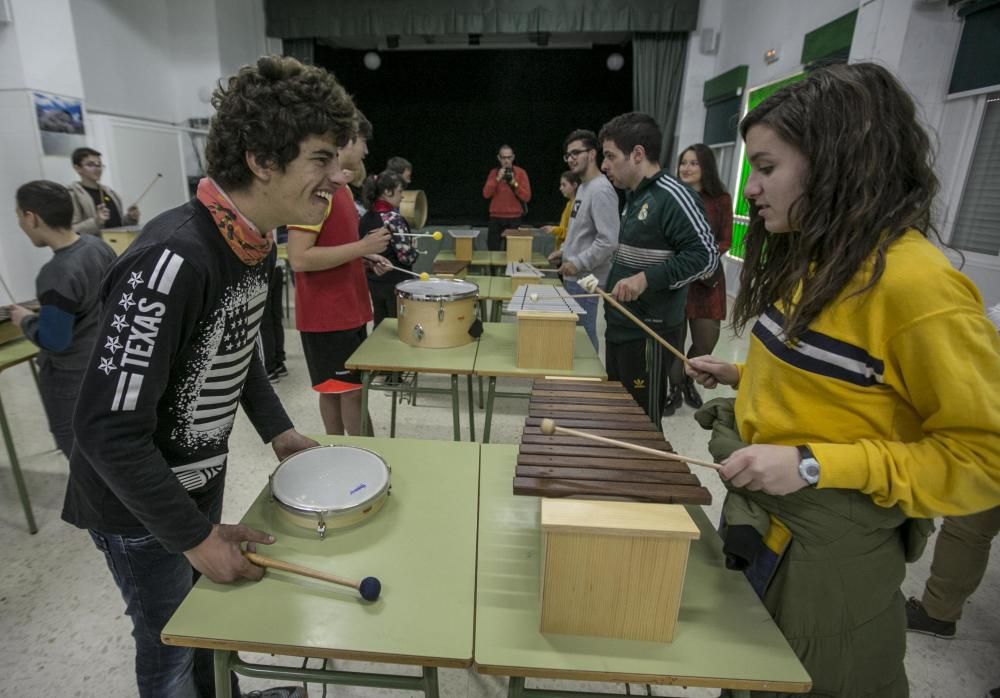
{"x":63,"y":631}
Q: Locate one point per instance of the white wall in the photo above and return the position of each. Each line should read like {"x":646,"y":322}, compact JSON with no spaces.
{"x":916,"y":40}
{"x":156,"y":61}
{"x":37,"y":52}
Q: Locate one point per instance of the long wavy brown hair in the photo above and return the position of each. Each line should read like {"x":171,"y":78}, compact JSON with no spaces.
{"x":870,"y":178}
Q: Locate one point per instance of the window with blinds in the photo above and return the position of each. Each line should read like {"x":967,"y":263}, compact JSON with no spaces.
{"x":977,"y":224}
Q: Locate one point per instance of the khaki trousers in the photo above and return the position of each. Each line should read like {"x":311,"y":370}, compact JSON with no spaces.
{"x":961,"y":554}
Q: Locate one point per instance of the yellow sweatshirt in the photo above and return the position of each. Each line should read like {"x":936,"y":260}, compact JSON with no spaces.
{"x":559,"y":231}
{"x":897,"y":391}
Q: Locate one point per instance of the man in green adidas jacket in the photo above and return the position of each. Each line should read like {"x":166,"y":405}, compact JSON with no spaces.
{"x":664,"y":244}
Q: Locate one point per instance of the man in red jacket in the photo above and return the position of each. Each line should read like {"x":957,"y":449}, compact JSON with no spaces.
{"x":509,"y":191}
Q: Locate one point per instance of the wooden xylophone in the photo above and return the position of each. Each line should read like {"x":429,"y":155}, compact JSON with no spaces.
{"x":568,"y":466}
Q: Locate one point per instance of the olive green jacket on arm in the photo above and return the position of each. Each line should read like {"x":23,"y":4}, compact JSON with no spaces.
{"x":835,"y":591}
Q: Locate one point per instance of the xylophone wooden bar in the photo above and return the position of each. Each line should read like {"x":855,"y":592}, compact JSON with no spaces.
{"x":565,"y":465}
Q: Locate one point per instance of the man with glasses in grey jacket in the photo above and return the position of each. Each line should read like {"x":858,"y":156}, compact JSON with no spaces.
{"x":592,"y":235}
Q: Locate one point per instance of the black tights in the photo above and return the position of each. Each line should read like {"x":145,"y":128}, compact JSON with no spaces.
{"x":704,"y":336}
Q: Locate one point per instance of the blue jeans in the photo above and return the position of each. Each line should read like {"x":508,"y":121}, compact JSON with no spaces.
{"x":153,"y":582}
{"x":589,"y":321}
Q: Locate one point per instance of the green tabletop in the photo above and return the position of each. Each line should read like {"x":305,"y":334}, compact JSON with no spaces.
{"x":421,"y":545}
{"x":480,"y":258}
{"x":498,"y":258}
{"x":16,"y":352}
{"x":485,"y":283}
{"x":385,"y":351}
{"x":498,"y":355}
{"x":725,"y":638}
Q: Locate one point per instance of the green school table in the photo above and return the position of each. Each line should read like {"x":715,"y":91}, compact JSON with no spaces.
{"x":11,"y":354}
{"x":421,"y":546}
{"x":498,"y":357}
{"x":725,"y":637}
{"x":384,"y":351}
{"x":480,"y":258}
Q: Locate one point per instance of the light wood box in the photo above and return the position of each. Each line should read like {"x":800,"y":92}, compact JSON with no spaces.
{"x":613,"y":569}
{"x":120,"y":238}
{"x":519,"y":246}
{"x":518,"y":280}
{"x":463,"y":249}
{"x":9,"y":332}
{"x":545,"y":340}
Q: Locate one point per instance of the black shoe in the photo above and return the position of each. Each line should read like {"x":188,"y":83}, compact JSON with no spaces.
{"x":674,"y":400}
{"x":281,"y":370}
{"x":995,"y":693}
{"x":274,"y":376}
{"x":918,"y":621}
{"x":691,"y":396}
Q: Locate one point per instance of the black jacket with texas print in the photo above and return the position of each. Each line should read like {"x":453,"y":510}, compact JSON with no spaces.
{"x":177,"y":353}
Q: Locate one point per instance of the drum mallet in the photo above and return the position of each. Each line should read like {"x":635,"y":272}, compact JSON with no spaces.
{"x":157,"y":178}
{"x":436,"y":235}
{"x":590,"y":283}
{"x":550,"y":427}
{"x":423,"y":276}
{"x":7,"y":289}
{"x":369,"y":587}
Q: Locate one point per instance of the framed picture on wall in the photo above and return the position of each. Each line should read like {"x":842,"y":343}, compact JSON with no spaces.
{"x":60,"y":122}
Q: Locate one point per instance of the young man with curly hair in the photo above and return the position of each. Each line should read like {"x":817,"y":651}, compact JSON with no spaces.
{"x":177,"y":356}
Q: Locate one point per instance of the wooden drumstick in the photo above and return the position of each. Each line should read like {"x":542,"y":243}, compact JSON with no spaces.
{"x":7,"y":289}
{"x":589,"y":282}
{"x":436,"y":235}
{"x":423,"y":276}
{"x":549,"y":427}
{"x":145,"y":191}
{"x":369,"y":587}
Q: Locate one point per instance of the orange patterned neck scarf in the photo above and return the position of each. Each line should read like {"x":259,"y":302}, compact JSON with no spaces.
{"x":239,"y":233}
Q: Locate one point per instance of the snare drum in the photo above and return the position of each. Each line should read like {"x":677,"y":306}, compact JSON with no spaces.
{"x":436,"y":313}
{"x":330,"y":486}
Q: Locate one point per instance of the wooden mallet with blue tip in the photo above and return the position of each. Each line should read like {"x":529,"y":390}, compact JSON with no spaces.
{"x":369,"y":587}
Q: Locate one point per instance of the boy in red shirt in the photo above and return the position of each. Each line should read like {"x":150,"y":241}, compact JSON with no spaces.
{"x":332,"y":305}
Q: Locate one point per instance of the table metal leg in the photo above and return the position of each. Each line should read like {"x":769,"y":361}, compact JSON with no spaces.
{"x":366,"y":381}
{"x":489,"y":409}
{"x":472,"y":409}
{"x":15,"y":467}
{"x":455,"y":409}
{"x":34,"y":374}
{"x":223,"y":686}
{"x":515,"y":687}
{"x":481,"y":405}
{"x":392,"y":420}
{"x":430,"y":681}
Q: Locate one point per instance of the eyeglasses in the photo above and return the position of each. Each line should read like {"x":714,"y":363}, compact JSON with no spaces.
{"x":574,"y":154}
{"x":93,"y":165}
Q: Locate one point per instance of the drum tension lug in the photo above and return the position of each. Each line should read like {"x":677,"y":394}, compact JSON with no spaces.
{"x":440,"y":311}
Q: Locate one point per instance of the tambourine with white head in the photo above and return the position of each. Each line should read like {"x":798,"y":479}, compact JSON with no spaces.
{"x":330,"y":487}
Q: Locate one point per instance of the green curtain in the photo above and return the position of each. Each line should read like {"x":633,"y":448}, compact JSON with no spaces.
{"x":290,"y":19}
{"x":656,"y":81}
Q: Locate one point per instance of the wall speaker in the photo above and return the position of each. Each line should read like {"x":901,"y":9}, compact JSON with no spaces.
{"x":709,"y":41}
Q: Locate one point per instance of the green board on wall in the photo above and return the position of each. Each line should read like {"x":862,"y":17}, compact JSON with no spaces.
{"x":755,"y":96}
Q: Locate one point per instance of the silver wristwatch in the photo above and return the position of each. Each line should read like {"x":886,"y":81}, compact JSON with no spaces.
{"x":808,"y":465}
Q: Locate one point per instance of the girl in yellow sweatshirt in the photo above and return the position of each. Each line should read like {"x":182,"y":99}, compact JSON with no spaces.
{"x":872,"y":366}
{"x":569,"y":182}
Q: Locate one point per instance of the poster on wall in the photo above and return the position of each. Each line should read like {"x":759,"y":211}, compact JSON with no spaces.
{"x":60,"y":121}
